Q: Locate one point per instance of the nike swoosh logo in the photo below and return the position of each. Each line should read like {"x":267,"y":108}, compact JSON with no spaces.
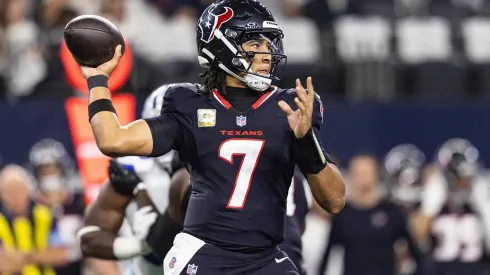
{"x":280,"y":260}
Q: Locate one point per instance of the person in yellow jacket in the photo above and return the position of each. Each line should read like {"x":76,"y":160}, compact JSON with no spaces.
{"x":30,"y":243}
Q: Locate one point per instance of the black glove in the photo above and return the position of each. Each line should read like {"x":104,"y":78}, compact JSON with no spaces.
{"x":122,"y":180}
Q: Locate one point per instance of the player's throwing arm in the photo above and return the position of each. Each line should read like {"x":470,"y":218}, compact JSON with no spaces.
{"x":87,"y":37}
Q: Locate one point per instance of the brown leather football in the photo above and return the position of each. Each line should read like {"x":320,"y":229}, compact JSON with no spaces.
{"x":92,"y":39}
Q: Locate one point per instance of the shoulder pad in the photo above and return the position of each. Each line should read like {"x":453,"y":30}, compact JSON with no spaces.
{"x":286,"y":92}
{"x":178,"y":94}
{"x":281,"y":90}
{"x":288,"y":95}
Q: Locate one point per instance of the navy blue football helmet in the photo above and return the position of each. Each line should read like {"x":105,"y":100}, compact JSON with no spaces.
{"x":224,"y":26}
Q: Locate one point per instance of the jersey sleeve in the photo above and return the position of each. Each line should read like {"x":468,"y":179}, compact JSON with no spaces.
{"x":316,"y":125}
{"x":166,"y":129}
{"x":317,"y":116}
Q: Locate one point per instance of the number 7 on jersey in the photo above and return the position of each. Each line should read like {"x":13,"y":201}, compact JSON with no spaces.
{"x":250,"y":149}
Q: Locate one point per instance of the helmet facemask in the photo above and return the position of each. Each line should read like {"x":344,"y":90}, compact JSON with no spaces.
{"x":237,"y":62}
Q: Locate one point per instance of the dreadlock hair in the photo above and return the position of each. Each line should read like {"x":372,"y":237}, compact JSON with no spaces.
{"x":214,"y":78}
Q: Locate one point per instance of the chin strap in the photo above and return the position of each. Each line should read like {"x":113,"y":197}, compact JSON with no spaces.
{"x":256,"y":82}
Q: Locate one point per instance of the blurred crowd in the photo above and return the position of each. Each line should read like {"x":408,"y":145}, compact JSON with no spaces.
{"x":357,"y":49}
{"x":41,"y":209}
{"x":407,"y":214}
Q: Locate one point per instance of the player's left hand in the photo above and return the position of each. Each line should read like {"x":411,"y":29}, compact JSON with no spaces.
{"x":300,"y":120}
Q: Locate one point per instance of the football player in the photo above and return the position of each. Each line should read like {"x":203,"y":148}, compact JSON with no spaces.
{"x":132,"y":181}
{"x":58,"y":186}
{"x":404,"y":167}
{"x":160,"y":239}
{"x":239,"y":137}
{"x":454,"y":210}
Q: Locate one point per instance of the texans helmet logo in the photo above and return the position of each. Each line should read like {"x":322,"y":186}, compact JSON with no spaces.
{"x":210,"y":22}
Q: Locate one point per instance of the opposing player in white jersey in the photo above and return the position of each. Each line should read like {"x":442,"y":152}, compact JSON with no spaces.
{"x":133,"y":182}
{"x":455,"y":210}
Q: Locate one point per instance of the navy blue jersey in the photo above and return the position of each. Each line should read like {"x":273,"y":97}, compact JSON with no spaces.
{"x":298,"y":205}
{"x":241,"y":163}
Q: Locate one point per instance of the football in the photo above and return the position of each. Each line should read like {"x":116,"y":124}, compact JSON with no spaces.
{"x":92,"y":39}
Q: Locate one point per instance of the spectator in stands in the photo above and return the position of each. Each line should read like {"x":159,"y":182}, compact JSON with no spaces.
{"x":369,"y":225}
{"x":323,"y":12}
{"x":59,"y":187}
{"x":30,"y":240}
{"x":144,"y":28}
{"x":190,"y":9}
{"x":21,"y":62}
{"x":53,"y":17}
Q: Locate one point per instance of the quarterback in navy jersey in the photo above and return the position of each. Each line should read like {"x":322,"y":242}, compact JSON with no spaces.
{"x":240,"y":139}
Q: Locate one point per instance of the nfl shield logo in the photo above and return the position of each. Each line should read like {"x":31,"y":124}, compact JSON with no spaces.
{"x":191,"y":269}
{"x":241,"y":121}
{"x":172,"y":262}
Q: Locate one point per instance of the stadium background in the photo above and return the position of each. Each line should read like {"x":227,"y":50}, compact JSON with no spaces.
{"x":388,"y":71}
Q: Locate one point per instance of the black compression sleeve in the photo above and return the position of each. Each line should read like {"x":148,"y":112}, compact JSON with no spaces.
{"x":310,"y":156}
{"x":166,"y":132}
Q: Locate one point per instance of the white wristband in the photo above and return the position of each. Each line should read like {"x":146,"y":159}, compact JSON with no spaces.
{"x":127,"y":247}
